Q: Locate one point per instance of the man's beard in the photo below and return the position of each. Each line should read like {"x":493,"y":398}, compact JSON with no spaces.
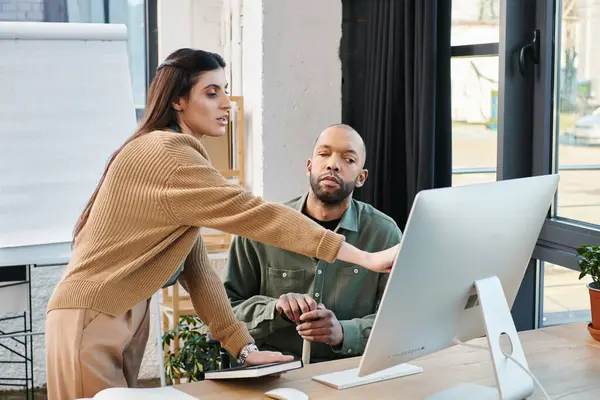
{"x":332,"y":197}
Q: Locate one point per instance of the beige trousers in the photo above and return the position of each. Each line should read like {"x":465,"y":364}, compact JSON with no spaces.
{"x":87,"y":351}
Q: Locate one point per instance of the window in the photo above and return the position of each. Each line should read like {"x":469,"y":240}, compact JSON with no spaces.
{"x":128,"y":12}
{"x":475,"y":22}
{"x":566,"y":298}
{"x":474,"y":85}
{"x":474,"y":119}
{"x":575,"y":150}
{"x":537,"y":117}
{"x":577,"y":119}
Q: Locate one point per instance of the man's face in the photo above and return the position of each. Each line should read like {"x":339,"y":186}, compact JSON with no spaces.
{"x":336,"y":167}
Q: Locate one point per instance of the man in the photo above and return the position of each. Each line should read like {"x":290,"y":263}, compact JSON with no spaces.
{"x":285,"y":297}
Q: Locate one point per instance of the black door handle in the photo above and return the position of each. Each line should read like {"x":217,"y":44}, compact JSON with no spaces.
{"x":532,"y":48}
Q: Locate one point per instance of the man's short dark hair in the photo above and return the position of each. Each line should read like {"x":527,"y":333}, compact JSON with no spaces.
{"x":347,"y":128}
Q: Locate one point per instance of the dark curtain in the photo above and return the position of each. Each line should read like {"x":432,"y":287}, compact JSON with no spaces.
{"x":404,"y":115}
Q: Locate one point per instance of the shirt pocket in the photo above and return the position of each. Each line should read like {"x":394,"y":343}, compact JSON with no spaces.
{"x":281,"y":281}
{"x":353,"y":293}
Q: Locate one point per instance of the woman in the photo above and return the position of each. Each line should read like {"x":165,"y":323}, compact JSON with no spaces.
{"x":143,"y":220}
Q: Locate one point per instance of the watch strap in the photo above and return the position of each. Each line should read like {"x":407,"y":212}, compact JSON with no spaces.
{"x":245,"y":352}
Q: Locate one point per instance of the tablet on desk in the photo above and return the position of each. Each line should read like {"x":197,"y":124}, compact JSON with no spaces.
{"x":254,"y":371}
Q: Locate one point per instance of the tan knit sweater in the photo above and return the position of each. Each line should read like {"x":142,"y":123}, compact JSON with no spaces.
{"x":145,"y":221}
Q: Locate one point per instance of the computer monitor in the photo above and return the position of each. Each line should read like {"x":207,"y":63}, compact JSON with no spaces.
{"x":454,"y":238}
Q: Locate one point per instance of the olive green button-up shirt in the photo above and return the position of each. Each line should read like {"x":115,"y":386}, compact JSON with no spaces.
{"x":258,"y":274}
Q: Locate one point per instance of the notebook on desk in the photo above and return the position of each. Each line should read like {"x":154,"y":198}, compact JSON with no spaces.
{"x":253,"y":371}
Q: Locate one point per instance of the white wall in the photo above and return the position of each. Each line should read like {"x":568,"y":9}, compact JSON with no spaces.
{"x":292,"y":83}
{"x":250,"y":71}
{"x":190,"y":23}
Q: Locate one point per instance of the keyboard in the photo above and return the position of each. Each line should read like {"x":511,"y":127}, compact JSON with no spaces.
{"x":349,"y":378}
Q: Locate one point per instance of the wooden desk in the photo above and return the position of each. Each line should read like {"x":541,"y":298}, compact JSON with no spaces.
{"x":565,"y":359}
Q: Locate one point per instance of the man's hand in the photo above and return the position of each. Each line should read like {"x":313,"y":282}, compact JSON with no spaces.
{"x":321,"y":325}
{"x":293,"y":305}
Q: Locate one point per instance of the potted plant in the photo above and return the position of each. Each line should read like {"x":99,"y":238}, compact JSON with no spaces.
{"x":195,"y":355}
{"x":589,"y":264}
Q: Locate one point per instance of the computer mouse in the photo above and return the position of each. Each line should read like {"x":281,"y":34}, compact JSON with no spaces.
{"x":286,"y":394}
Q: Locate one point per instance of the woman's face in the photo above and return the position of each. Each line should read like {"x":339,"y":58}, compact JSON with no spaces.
{"x":206,"y":111}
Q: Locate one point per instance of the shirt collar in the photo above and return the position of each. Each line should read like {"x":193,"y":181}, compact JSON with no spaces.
{"x":350,"y":219}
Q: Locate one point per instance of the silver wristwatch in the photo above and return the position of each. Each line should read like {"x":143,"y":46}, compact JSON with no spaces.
{"x":245,"y":351}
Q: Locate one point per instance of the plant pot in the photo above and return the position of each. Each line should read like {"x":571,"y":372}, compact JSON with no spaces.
{"x":594,"y":333}
{"x":595,"y":306}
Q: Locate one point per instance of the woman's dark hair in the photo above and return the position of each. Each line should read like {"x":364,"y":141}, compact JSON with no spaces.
{"x":174,"y":80}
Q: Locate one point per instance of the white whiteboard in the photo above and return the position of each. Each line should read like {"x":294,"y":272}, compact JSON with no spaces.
{"x":66,"y":104}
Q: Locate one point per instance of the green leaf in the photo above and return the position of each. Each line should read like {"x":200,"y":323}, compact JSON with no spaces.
{"x":194,"y":356}
{"x":589,"y":261}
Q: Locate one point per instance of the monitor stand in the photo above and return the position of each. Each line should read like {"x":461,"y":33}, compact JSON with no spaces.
{"x":512,"y":383}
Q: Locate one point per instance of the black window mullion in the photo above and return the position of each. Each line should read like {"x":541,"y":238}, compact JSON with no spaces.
{"x":515,"y":129}
{"x":151,"y":25}
{"x":544,"y":91}
{"x":475,"y":50}
{"x":106,"y":9}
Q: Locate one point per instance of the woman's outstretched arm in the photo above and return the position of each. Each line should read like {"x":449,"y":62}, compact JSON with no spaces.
{"x":196,"y":194}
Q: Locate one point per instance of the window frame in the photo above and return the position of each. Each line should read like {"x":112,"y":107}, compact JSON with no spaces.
{"x":535,"y":154}
{"x":559,"y":237}
{"x":527,"y":145}
{"x":151,"y":41}
{"x":475,"y":50}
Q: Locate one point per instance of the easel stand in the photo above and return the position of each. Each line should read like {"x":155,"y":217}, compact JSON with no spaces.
{"x":512,"y":383}
{"x":16,"y":341}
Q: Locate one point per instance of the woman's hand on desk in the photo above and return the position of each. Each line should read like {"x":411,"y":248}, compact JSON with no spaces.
{"x":267,"y":357}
